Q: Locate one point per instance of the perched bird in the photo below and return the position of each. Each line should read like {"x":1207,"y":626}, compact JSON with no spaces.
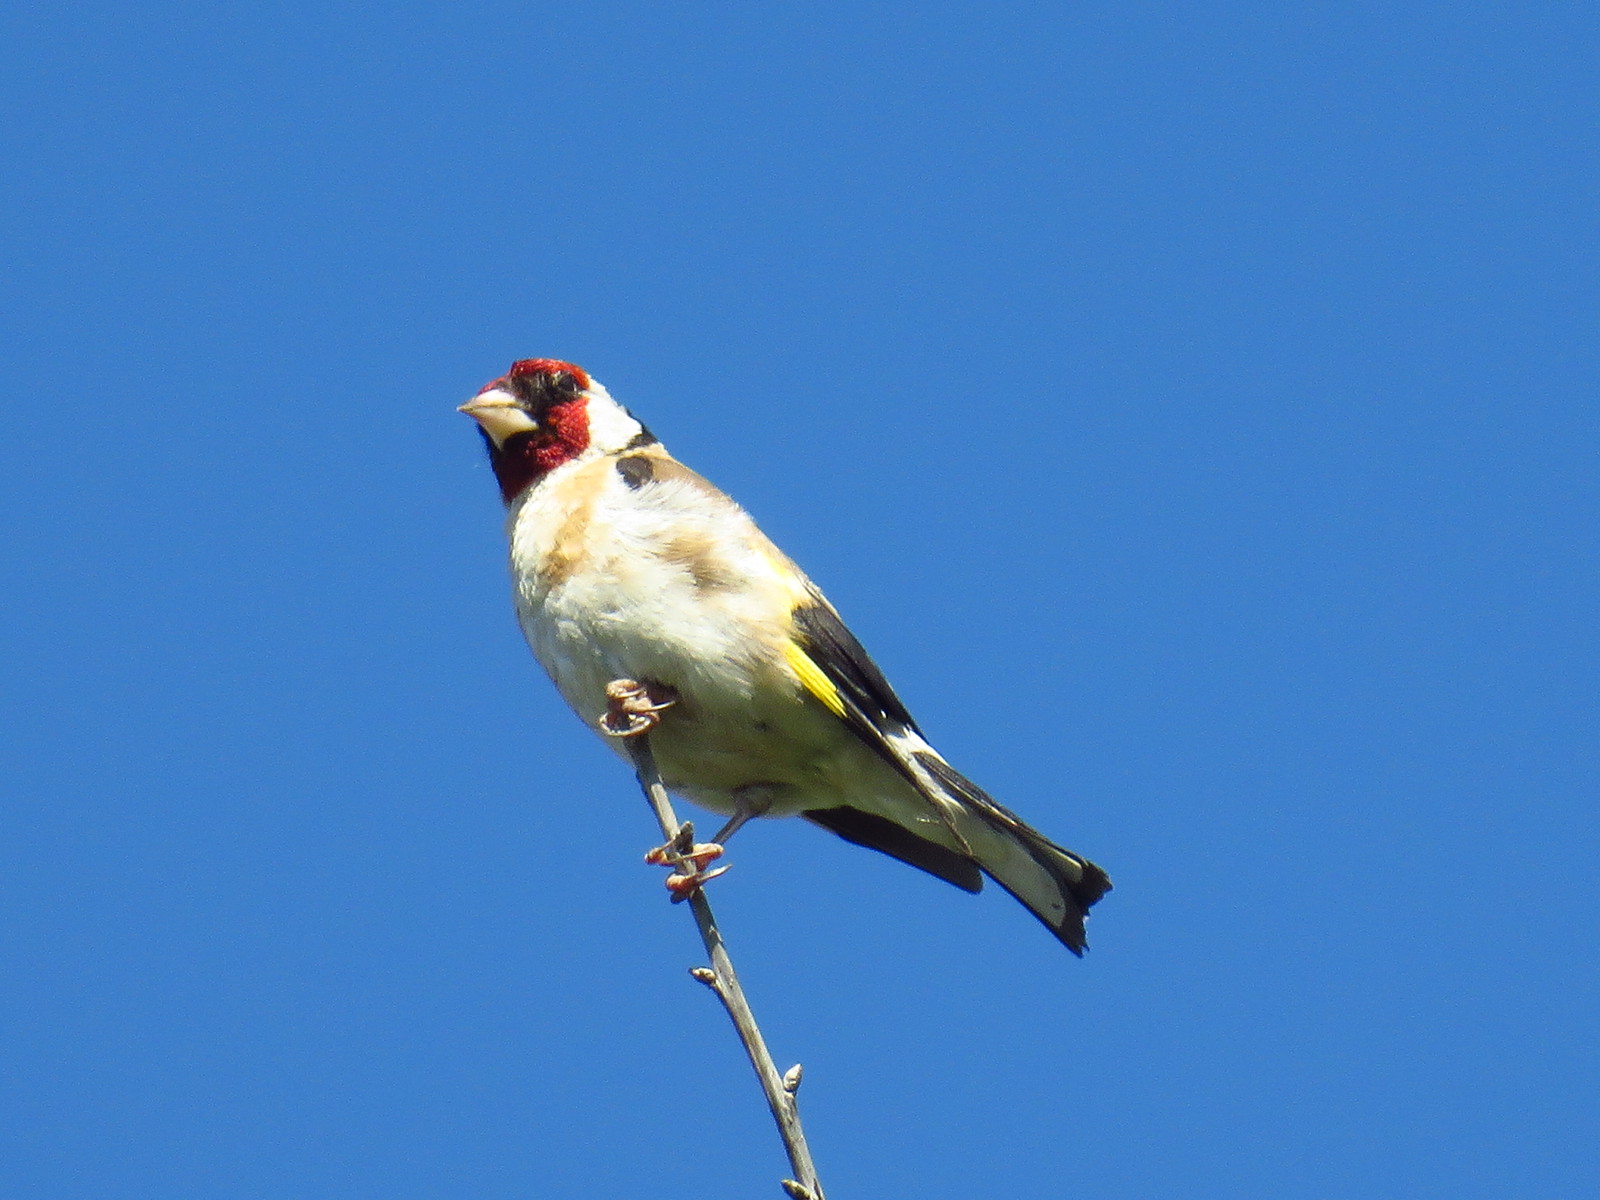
{"x":627,"y":565}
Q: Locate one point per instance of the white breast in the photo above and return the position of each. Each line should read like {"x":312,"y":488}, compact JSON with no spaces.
{"x":669,"y":582}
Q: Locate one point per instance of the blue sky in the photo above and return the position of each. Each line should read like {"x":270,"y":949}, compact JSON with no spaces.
{"x":1192,"y":410}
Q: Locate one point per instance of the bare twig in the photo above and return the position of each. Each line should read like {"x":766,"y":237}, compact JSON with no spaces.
{"x":720,"y":978}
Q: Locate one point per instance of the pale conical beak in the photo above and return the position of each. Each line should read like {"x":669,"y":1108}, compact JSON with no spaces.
{"x":499,"y":414}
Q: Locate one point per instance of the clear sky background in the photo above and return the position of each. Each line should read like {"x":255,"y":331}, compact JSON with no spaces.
{"x":1192,"y":407}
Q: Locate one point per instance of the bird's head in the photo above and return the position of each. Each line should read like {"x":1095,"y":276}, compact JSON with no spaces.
{"x":543,"y":414}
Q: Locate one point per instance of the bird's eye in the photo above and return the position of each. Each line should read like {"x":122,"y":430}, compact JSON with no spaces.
{"x":563,"y":381}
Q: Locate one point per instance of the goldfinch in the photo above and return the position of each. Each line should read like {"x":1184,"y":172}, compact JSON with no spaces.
{"x":625,"y":564}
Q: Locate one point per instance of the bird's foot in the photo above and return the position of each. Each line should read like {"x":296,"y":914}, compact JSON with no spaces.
{"x":698,"y":855}
{"x":688,"y":860}
{"x":681,"y":886}
{"x":633,"y":708}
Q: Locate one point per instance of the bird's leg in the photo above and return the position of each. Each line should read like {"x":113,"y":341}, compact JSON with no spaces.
{"x":749,"y":802}
{"x":633,"y":708}
{"x":684,"y":852}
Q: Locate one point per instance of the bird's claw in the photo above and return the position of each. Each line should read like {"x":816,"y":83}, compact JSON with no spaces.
{"x":633,"y":708}
{"x":688,"y":860}
{"x":683,"y":886}
{"x":698,"y":855}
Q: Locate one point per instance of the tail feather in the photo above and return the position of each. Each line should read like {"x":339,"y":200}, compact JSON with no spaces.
{"x":890,"y":837}
{"x":1053,"y":883}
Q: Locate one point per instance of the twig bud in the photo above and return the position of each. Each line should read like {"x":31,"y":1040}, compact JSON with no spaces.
{"x":791,"y":1079}
{"x":705,"y":975}
{"x":797,"y":1190}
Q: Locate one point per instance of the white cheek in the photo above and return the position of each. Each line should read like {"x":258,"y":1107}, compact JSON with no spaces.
{"x":610,"y":426}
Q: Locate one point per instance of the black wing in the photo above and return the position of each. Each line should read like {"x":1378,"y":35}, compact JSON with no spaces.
{"x":869,"y":706}
{"x":887,"y":837}
{"x":848,"y":666}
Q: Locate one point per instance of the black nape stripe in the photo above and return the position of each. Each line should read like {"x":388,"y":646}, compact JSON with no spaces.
{"x":636,"y":471}
{"x":643,"y":438}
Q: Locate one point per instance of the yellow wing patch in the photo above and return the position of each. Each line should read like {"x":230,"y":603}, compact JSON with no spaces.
{"x":812,"y":677}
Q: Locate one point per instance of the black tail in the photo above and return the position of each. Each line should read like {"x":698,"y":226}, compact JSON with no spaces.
{"x":1056,"y":885}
